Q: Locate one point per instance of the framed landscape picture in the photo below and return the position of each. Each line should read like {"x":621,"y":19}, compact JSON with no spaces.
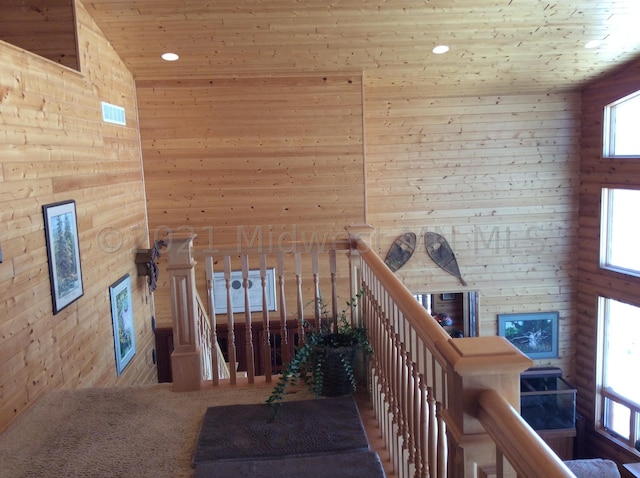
{"x":534,"y":334}
{"x":63,"y":252}
{"x":124,"y":336}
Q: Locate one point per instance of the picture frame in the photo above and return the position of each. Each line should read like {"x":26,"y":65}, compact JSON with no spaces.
{"x":237,"y":291}
{"x":63,"y":253}
{"x":124,"y":337}
{"x":534,"y":334}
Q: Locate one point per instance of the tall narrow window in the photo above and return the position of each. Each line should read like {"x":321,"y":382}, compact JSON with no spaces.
{"x":619,"y":230}
{"x":620,"y":356}
{"x":621,"y":127}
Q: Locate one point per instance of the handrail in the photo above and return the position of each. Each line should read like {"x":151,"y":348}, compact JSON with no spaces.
{"x":529,"y":455}
{"x":472,"y":430}
{"x":427,"y":328}
{"x":211,"y":356}
{"x":447,"y":408}
{"x":408,"y":373}
{"x":288,"y":247}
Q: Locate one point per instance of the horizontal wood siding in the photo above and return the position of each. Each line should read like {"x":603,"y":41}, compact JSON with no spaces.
{"x":54,"y":147}
{"x":597,"y":173}
{"x":253,"y":161}
{"x":498,"y":178}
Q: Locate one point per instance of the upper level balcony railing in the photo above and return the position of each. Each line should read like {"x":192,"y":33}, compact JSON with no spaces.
{"x":446,"y":407}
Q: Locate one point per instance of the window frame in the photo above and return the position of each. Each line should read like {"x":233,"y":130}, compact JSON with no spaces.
{"x":606,"y":225}
{"x":609,"y":129}
{"x":607,"y":396}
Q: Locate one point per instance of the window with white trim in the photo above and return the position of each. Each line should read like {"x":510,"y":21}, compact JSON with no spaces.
{"x":620,"y":410}
{"x":621,"y":120}
{"x":619,"y":230}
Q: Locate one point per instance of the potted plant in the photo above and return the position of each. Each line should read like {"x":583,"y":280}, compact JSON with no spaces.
{"x":325,"y":361}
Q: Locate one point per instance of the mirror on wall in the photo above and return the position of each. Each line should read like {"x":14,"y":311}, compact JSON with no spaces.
{"x":457,"y":312}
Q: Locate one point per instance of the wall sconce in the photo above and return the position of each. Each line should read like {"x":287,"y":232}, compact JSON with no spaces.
{"x":146,"y":263}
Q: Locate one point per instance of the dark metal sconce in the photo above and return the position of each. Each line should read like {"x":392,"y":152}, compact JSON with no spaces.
{"x":146,"y":263}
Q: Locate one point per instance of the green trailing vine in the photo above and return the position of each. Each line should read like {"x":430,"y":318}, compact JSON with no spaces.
{"x":336,"y":336}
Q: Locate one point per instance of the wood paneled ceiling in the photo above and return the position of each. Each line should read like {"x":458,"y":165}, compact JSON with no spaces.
{"x":496,"y":46}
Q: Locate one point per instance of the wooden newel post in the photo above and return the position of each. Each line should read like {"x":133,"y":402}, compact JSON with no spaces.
{"x":478,"y":364}
{"x":185,"y":359}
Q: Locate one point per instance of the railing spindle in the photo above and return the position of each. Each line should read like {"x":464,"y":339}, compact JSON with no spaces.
{"x":231,"y":337}
{"x":215,"y":365}
{"x":266,"y":334}
{"x":248,"y":339}
{"x":284,"y":339}
{"x":316,"y":288}
{"x":299,"y":300}
{"x":334,"y":291}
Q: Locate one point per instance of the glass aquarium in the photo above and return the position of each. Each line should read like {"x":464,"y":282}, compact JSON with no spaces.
{"x":547,"y":401}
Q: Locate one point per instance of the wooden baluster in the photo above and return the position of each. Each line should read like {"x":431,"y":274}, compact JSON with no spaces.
{"x":334,"y":290}
{"x":432,"y":432}
{"x":298,"y":269}
{"x":248,"y":335}
{"x":284,"y":339}
{"x":316,"y":288}
{"x":266,"y":335}
{"x":231,"y":337}
{"x":442,"y":443}
{"x":410,"y":409}
{"x":215,"y":365}
{"x":423,"y":424}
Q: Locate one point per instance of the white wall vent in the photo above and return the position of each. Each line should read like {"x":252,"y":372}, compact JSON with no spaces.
{"x":113,"y":114}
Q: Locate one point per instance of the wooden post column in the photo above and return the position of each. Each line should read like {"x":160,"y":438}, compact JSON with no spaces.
{"x":478,"y":364}
{"x":185,"y":359}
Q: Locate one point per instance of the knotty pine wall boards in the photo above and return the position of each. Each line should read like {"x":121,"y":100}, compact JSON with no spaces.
{"x":53,"y":147}
{"x":252,"y":160}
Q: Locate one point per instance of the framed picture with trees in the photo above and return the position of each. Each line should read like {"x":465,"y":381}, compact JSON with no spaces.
{"x":63,"y":252}
{"x":534,"y":334}
{"x":124,"y":337}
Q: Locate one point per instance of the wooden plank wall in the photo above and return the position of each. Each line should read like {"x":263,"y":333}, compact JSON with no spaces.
{"x":54,"y":147}
{"x":251,"y":161}
{"x":498,"y":178}
{"x":46,"y":28}
{"x":597,"y":173}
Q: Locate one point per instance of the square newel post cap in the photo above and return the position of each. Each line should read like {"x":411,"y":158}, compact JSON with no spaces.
{"x":357,"y":231}
{"x":180,"y":248}
{"x":491,"y":355}
{"x":476,"y":364}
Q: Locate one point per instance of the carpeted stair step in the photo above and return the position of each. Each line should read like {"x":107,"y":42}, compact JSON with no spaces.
{"x":303,"y":427}
{"x":356,"y":464}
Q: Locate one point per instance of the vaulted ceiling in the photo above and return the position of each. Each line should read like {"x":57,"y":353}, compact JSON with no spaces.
{"x":496,"y":46}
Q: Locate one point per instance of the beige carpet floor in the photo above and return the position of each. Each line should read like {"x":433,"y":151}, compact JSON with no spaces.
{"x":134,"y":432}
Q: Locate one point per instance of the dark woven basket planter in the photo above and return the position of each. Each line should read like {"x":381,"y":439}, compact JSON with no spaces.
{"x":335,"y":382}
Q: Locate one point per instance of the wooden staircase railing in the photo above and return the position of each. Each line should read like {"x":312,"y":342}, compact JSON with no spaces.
{"x":446,"y":407}
{"x":433,"y":394}
{"x":211,"y":356}
{"x":289,"y":285}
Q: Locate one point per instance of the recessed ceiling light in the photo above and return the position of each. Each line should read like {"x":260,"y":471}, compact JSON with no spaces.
{"x":170,"y":56}
{"x":440,"y":49}
{"x":593,"y":44}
